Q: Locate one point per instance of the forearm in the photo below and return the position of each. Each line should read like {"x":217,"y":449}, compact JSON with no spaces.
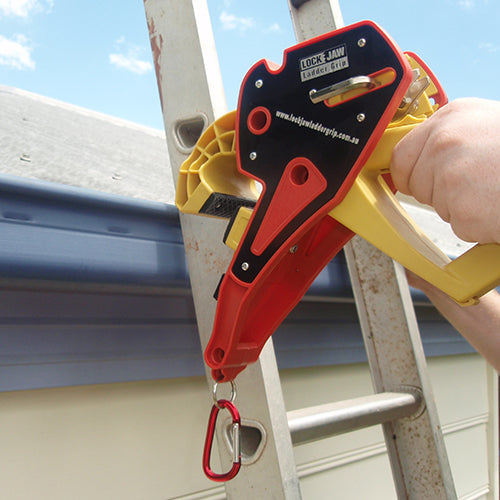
{"x":479,"y":324}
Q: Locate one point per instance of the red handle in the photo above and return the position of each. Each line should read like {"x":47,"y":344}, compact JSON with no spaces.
{"x":248,"y":314}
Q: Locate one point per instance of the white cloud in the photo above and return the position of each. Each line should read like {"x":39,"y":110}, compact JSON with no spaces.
{"x":489,"y":47}
{"x":273,"y":28}
{"x":130,"y":63}
{"x":232,"y":22}
{"x":467,"y":4}
{"x":128,"y":57}
{"x":472,"y":4}
{"x":16,"y":53}
{"x":23,"y":8}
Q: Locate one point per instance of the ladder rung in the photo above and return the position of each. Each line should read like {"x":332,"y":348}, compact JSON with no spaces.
{"x":318,"y":422}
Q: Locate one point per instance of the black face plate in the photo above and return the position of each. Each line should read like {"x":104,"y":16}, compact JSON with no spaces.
{"x":290,"y":126}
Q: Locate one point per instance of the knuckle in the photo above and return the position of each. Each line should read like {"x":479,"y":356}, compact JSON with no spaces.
{"x":445,"y":140}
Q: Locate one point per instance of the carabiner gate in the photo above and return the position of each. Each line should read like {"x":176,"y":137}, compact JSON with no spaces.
{"x":220,"y":405}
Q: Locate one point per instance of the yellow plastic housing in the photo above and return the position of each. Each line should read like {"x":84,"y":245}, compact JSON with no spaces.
{"x":238,"y":227}
{"x":211,"y":168}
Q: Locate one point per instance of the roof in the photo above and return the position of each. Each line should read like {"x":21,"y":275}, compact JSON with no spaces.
{"x":49,"y":140}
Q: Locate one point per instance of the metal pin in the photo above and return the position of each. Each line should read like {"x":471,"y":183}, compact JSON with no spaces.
{"x":245,"y":266}
{"x":361,"y":42}
{"x":353,"y":83}
{"x":294,"y":249}
{"x":360,"y":117}
{"x":236,"y":442}
{"x":413,"y":94}
{"x":253,"y":155}
{"x":259,"y":83}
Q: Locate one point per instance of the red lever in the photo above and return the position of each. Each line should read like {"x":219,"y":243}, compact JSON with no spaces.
{"x":247,"y":314}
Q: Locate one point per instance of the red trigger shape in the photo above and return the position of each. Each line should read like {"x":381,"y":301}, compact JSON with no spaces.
{"x":300,"y":184}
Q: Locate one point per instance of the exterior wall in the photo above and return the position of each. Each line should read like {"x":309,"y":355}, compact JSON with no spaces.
{"x":143,"y":440}
{"x":356,"y":464}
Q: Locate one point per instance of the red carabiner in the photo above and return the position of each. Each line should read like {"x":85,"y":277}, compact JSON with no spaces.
{"x":220,"y":405}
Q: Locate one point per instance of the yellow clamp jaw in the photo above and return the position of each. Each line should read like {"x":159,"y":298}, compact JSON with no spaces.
{"x":210,"y":184}
{"x":209,"y":181}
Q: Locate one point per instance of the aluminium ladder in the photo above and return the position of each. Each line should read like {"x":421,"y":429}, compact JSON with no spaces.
{"x":192,"y":96}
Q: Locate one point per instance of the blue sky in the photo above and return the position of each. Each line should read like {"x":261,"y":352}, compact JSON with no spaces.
{"x":96,"y":53}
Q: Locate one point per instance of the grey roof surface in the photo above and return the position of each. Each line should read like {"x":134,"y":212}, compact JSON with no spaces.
{"x":46,"y":139}
{"x":54,"y":141}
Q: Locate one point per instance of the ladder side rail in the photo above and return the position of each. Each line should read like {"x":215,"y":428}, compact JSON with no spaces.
{"x":191,"y":91}
{"x":425,"y":474}
{"x":395,"y":353}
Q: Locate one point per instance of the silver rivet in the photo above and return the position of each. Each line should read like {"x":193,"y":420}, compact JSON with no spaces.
{"x":360,"y":117}
{"x":245,"y":266}
{"x":361,"y":42}
{"x":259,"y":83}
{"x":253,"y":155}
{"x":294,"y":249}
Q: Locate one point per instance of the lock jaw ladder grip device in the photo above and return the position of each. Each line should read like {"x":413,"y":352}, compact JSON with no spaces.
{"x":317,"y":134}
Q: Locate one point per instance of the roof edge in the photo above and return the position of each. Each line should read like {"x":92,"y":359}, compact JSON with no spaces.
{"x":120,"y":122}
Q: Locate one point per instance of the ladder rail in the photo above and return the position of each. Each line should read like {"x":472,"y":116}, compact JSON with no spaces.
{"x":185,"y":57}
{"x":420,"y":467}
{"x":396,"y":357}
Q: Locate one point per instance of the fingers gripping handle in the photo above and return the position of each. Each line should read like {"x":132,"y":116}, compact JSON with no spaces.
{"x":386,"y":225}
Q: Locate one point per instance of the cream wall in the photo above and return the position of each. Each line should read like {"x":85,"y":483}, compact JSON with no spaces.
{"x":143,"y":441}
{"x":463,"y":386}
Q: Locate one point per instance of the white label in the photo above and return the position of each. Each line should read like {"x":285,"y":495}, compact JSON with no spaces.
{"x":323,"y":63}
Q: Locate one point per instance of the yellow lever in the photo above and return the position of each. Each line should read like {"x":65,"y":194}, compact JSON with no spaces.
{"x":371,"y":210}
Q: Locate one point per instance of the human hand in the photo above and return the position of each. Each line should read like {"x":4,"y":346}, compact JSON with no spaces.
{"x":452,"y":162}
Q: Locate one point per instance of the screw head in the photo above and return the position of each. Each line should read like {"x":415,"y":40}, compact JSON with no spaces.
{"x":245,"y":266}
{"x":360,"y":117}
{"x":252,"y":155}
{"x":259,"y":83}
{"x":294,"y":249}
{"x":361,"y":42}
